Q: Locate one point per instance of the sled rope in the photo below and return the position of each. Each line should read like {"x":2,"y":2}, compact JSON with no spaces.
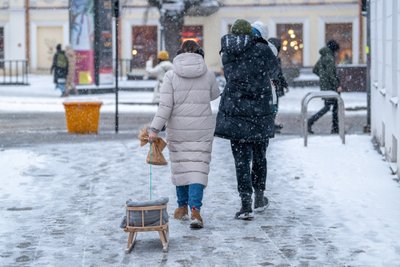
{"x":151,"y":168}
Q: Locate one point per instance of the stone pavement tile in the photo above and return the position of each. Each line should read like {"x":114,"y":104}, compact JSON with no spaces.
{"x":72,"y":203}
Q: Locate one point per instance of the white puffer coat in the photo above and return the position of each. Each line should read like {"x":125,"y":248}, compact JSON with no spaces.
{"x":159,"y":72}
{"x":185,"y":109}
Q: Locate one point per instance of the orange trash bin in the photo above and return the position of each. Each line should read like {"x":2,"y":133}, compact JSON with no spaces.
{"x":82,"y":117}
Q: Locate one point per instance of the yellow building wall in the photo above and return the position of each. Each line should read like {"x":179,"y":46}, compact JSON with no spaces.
{"x":47,"y":39}
{"x":216,"y":25}
{"x":283,"y":2}
{"x":312,"y":13}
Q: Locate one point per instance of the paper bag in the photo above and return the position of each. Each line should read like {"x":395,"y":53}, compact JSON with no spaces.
{"x":155,"y":156}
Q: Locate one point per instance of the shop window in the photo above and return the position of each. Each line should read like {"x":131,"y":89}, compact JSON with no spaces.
{"x":194,"y":33}
{"x":144,"y":45}
{"x":291,"y":52}
{"x":1,"y":47}
{"x":343,"y":34}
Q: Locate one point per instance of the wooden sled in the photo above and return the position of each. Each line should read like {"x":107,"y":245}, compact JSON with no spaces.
{"x":141,"y":223}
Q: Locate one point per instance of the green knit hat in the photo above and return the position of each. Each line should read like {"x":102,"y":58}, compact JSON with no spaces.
{"x":241,"y":26}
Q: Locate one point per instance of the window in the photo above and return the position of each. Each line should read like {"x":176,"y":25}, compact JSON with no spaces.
{"x":194,"y":33}
{"x":343,"y":34}
{"x":292,"y":44}
{"x":144,"y":45}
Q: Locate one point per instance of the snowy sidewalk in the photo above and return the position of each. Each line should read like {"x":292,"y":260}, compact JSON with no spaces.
{"x":331,"y":205}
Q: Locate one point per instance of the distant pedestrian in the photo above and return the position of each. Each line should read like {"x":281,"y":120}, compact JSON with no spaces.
{"x":158,"y":71}
{"x":185,"y":110}
{"x":60,"y":69}
{"x":325,"y":68}
{"x":280,"y":85}
{"x":70,"y":84}
{"x":245,"y":112}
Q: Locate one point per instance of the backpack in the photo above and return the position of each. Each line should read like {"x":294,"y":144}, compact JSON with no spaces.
{"x":317,"y":67}
{"x":61,"y":61}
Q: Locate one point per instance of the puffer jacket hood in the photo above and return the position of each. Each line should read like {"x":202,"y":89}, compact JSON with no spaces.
{"x":237,"y":44}
{"x":325,"y":51}
{"x":189,"y":65}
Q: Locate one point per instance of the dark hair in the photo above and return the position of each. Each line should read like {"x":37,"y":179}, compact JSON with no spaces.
{"x":58,"y":47}
{"x":191,"y":46}
{"x":276,"y":42}
{"x":333,"y":45}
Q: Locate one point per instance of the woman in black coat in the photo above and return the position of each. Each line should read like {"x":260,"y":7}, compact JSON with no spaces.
{"x":245,"y":112}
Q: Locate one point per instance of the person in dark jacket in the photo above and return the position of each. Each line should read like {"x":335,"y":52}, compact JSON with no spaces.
{"x":245,"y":114}
{"x":280,"y":84}
{"x":60,"y":68}
{"x":325,"y":68}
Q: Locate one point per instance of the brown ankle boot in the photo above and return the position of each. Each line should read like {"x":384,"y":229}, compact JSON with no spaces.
{"x":181,"y":213}
{"x":196,"y":222}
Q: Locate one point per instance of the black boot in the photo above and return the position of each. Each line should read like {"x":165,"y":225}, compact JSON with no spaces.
{"x":245,"y":213}
{"x":335,"y":129}
{"x":309,"y":126}
{"x":260,"y":201}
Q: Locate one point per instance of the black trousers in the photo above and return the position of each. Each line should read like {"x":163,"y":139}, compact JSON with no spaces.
{"x":324,"y":110}
{"x":251,"y":167}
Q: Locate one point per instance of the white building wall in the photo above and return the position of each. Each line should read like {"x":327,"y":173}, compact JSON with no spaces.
{"x":15,"y":32}
{"x":385,"y":110}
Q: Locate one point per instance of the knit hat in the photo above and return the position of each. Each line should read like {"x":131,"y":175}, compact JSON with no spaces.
{"x":241,"y":26}
{"x":163,"y":55}
{"x":261,"y":28}
{"x":333,"y":45}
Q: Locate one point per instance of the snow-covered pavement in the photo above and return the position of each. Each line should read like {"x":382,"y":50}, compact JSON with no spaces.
{"x":61,"y":203}
{"x":331,"y":205}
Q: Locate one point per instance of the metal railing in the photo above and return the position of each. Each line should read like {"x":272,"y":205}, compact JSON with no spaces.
{"x":326,"y":95}
{"x":13,"y":72}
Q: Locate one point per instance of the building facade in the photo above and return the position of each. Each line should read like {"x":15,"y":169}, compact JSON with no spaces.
{"x":385,"y":73}
{"x":304,"y":27}
{"x":29,"y":29}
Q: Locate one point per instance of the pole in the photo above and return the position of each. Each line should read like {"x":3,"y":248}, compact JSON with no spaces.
{"x":360,"y":30}
{"x":27,"y":31}
{"x":367,"y":128}
{"x":116,"y":15}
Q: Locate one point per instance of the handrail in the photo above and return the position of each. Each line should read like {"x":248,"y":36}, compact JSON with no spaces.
{"x":323,"y":94}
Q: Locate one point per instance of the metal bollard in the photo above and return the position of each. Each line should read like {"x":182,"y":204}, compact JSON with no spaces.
{"x":322,"y":94}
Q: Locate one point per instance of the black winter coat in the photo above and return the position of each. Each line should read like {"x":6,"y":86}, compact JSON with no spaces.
{"x":245,"y":108}
{"x":280,"y":83}
{"x":325,"y":68}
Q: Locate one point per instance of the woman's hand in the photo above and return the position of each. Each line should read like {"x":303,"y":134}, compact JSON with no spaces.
{"x":152,"y":136}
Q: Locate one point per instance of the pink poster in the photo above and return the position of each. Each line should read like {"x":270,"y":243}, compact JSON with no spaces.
{"x":84,"y":72}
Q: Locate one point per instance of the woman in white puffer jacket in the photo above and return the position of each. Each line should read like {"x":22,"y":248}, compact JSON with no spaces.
{"x":185,"y":110}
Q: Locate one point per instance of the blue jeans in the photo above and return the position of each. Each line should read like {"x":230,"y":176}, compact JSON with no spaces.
{"x":190,"y":194}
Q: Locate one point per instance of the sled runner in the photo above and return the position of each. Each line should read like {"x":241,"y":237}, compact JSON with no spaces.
{"x":146,"y":216}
